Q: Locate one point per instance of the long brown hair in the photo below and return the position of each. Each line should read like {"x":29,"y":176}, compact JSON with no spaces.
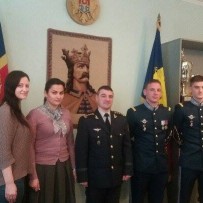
{"x":12,"y":81}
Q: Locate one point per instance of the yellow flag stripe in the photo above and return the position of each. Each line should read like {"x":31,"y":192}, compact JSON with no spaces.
{"x":3,"y":61}
{"x":159,"y":75}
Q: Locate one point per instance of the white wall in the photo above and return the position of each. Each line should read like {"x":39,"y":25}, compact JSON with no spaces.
{"x":130,"y":23}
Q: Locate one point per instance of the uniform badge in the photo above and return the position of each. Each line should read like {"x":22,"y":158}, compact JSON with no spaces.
{"x":164,"y":124}
{"x":98,"y":142}
{"x":144,"y":122}
{"x":191,"y":117}
{"x":97,"y":129}
{"x":115,"y":116}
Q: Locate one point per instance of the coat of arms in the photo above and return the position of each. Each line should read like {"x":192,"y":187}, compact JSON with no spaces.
{"x":84,"y":12}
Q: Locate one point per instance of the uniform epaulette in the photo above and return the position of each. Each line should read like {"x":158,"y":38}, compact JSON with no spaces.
{"x":87,"y":115}
{"x":133,"y":108}
{"x":181,"y":104}
{"x":169,"y":108}
{"x":118,"y":113}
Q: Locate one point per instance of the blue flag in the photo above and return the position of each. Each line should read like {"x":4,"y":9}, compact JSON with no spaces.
{"x":155,"y":67}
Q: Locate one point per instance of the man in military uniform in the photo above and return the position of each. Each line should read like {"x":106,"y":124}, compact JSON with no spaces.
{"x":103,"y":151}
{"x":149,"y":125}
{"x":188,"y":124}
{"x":79,"y":97}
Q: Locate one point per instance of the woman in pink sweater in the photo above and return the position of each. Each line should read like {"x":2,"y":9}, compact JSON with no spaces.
{"x":53,"y":149}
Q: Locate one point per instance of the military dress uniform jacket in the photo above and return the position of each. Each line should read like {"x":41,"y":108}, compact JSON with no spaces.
{"x":188,"y":122}
{"x":103,"y":157}
{"x":150,"y":131}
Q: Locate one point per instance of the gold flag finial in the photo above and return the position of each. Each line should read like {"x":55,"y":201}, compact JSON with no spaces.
{"x":158,"y":23}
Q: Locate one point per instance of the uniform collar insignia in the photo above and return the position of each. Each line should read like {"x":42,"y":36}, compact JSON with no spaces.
{"x":115,"y":116}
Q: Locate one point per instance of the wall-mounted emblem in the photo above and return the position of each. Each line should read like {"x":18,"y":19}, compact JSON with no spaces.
{"x":84,"y":12}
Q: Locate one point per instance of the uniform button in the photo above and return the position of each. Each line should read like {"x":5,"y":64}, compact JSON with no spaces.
{"x":112,"y":156}
{"x":111,"y":146}
{"x":112,"y":167}
{"x":157,"y":151}
{"x":201,"y":116}
{"x":155,"y":128}
{"x":154,"y":113}
{"x":201,"y":123}
{"x":98,"y":136}
{"x":111,"y":136}
{"x":156,"y":135}
{"x":202,"y":138}
{"x":200,"y":109}
{"x":157,"y":143}
{"x":202,"y":131}
{"x":155,"y":121}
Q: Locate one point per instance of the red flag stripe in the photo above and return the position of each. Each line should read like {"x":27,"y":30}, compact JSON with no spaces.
{"x":3,"y":74}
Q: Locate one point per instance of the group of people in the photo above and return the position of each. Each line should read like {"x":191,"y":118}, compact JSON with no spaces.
{"x":109,"y":148}
{"x":38,"y":148}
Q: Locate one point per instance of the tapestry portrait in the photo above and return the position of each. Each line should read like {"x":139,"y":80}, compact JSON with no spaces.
{"x":83,"y":62}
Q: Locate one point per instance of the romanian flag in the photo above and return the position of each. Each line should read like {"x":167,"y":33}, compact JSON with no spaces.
{"x":155,"y":67}
{"x":3,"y":64}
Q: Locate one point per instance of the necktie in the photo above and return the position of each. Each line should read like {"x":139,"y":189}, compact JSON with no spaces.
{"x":107,"y":121}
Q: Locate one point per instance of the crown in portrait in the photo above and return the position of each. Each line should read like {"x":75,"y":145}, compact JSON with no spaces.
{"x":76,"y":56}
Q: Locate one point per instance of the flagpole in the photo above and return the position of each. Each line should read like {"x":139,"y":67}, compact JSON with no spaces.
{"x":158,"y":22}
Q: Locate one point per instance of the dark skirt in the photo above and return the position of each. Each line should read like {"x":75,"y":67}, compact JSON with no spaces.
{"x":56,"y":184}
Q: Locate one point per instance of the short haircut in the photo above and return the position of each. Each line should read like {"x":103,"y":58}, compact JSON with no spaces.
{"x":196,"y":78}
{"x":104,"y":87}
{"x":151,"y":81}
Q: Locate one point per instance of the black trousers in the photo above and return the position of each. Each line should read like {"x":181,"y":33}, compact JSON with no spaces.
{"x":152,"y":184}
{"x":187,"y":181}
{"x":103,"y":195}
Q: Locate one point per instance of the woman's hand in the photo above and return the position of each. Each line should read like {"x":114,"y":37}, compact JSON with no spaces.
{"x":74,"y":175}
{"x":10,"y":186}
{"x":84,"y":184}
{"x":34,"y":184}
{"x":10,"y":192}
